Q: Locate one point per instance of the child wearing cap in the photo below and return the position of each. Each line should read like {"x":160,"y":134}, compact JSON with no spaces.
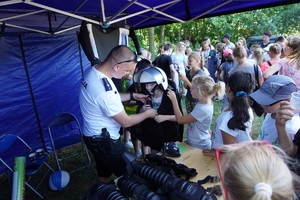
{"x":275,"y":89}
{"x":226,"y":40}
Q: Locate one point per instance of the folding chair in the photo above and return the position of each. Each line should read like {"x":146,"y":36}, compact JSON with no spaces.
{"x":14,"y":145}
{"x":64,"y":131}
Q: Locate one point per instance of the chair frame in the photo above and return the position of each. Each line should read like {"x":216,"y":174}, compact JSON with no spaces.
{"x":28,"y":172}
{"x":66,"y":118}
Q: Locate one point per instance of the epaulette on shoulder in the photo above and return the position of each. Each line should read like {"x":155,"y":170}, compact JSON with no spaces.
{"x":106,"y":84}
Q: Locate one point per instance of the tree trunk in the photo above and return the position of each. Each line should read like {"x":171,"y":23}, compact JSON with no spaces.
{"x":151,"y":41}
{"x":162,"y":34}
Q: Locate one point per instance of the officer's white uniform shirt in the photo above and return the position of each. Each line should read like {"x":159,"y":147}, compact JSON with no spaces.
{"x":99,"y":101}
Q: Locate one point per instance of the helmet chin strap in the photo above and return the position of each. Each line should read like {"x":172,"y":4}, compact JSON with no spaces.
{"x":154,"y":88}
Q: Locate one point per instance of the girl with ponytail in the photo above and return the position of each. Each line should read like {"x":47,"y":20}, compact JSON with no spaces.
{"x":235,"y":122}
{"x":199,"y":120}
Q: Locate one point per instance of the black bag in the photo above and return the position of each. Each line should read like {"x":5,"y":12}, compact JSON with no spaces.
{"x":256,"y":106}
{"x":97,"y":41}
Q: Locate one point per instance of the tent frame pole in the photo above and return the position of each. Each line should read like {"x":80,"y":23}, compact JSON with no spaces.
{"x":22,"y":15}
{"x":6,"y":3}
{"x":119,"y":12}
{"x":128,"y":16}
{"x":223,"y":4}
{"x":67,"y":29}
{"x":154,"y":9}
{"x":61,"y":12}
{"x":21,"y":27}
{"x":153,"y":16}
{"x":103,"y":11}
{"x":69,"y":16}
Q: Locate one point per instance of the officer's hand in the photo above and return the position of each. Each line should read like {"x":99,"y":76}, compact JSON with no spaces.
{"x":151,"y":112}
{"x":140,"y":97}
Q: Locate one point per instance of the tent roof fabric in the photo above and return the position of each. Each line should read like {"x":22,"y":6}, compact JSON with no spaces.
{"x":57,"y":16}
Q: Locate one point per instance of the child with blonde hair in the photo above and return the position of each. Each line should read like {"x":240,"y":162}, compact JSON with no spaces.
{"x":199,"y":120}
{"x":180,"y":60}
{"x":253,"y":170}
{"x":290,"y":65}
{"x":196,"y":64}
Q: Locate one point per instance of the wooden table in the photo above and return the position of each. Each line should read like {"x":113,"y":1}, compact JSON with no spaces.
{"x":205,"y":165}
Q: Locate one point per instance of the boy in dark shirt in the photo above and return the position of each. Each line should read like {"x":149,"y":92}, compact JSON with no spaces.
{"x":164,"y":61}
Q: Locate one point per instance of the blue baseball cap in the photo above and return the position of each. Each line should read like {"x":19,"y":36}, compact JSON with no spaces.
{"x":275,"y":88}
{"x":226,"y":36}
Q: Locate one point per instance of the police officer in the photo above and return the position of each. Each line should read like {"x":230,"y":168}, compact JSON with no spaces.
{"x":103,"y":111}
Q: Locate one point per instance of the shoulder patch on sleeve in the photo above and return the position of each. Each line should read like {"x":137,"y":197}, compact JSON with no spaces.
{"x":106,"y":84}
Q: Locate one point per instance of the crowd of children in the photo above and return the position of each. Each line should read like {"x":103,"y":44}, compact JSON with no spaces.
{"x":233,"y":78}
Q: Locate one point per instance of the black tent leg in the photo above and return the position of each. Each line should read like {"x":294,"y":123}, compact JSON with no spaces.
{"x":31,"y":91}
{"x":80,"y":56}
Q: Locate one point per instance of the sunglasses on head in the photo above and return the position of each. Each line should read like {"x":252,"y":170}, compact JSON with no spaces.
{"x":222,"y":151}
{"x":132,"y":60}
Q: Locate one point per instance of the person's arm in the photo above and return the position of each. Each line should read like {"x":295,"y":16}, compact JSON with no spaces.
{"x":129,"y":103}
{"x":179,"y":117}
{"x":126,"y":121}
{"x":271,"y":70}
{"x":173,"y":72}
{"x":260,"y":76}
{"x":227,"y":138}
{"x":136,"y":96}
{"x":162,"y":118}
{"x":260,"y":81}
{"x":222,"y":75}
{"x":209,"y":152}
{"x":185,"y":64}
{"x":154,"y":63}
{"x":283,"y":114}
{"x":186,"y":81}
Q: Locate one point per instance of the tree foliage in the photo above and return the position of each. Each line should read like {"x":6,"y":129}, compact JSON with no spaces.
{"x":281,"y":20}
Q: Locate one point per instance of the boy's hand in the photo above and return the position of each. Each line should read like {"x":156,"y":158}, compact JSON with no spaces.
{"x":171,"y":94}
{"x":145,"y":107}
{"x":284,"y":113}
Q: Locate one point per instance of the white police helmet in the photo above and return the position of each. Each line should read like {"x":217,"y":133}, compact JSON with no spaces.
{"x":152,"y":75}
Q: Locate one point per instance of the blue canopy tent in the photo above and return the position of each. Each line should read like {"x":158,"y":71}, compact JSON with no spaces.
{"x":59,"y":15}
{"x":41,"y":61}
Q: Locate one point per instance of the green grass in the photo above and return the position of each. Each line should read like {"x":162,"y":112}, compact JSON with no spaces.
{"x":81,"y":181}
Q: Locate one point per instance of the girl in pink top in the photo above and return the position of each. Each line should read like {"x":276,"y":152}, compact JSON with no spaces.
{"x":290,"y":65}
